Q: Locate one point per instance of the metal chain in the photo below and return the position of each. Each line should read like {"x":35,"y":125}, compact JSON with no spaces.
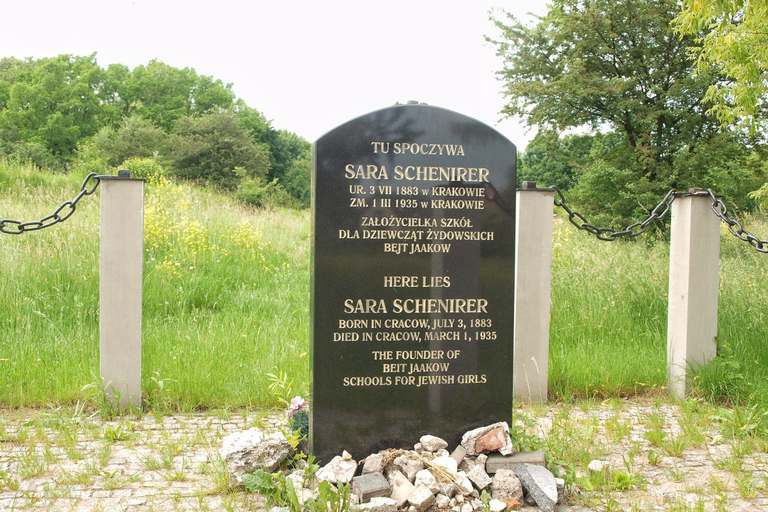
{"x":734,"y":226}
{"x":608,"y":234}
{"x":61,"y":214}
{"x":658,"y":213}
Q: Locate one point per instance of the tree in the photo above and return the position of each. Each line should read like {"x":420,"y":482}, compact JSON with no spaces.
{"x":608,"y":64}
{"x":551,"y":160}
{"x":732,"y":35}
{"x":613,"y":66}
{"x":134,"y":138}
{"x":52,"y":102}
{"x":215,"y":149}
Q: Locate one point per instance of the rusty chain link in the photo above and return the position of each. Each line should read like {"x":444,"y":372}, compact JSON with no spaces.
{"x":734,"y":226}
{"x":658,"y":213}
{"x":608,"y":234}
{"x":62,"y":213}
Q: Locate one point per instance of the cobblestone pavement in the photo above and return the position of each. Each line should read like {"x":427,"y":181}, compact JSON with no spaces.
{"x":62,"y":459}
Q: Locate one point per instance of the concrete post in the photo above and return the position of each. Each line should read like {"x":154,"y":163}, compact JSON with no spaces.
{"x":120,"y":286}
{"x":693,"y":287}
{"x":533,"y":283}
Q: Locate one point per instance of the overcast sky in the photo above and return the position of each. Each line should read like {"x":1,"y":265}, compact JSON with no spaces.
{"x":307,"y":65}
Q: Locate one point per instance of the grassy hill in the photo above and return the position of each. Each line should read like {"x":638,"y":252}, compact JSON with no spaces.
{"x":226,"y":303}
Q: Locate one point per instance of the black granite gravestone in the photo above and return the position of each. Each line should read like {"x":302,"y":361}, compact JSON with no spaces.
{"x":412,"y":286}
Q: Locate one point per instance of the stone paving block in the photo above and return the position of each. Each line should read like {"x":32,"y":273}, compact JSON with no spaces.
{"x":497,"y":461}
{"x":371,"y":485}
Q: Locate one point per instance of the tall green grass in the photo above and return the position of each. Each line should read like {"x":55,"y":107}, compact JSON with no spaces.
{"x":226,"y":302}
{"x":226,"y":296}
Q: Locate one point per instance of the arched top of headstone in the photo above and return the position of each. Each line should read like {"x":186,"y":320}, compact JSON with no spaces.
{"x":414,"y":122}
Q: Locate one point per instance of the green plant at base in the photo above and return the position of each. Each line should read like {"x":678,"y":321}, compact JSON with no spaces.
{"x":300,"y":423}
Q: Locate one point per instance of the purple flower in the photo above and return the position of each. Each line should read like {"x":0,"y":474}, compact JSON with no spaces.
{"x":296,"y":403}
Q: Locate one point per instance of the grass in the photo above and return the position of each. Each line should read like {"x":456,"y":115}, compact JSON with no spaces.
{"x":226,"y":295}
{"x":226,"y":306}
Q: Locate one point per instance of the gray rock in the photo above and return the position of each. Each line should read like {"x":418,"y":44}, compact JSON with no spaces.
{"x":458,"y":454}
{"x":442,"y":501}
{"x":374,"y":464}
{"x":497,"y":461}
{"x":338,"y":471}
{"x":540,"y":484}
{"x":448,"y":489}
{"x":409,"y":466}
{"x":371,"y":485}
{"x":378,"y":505}
{"x":401,"y":487}
{"x":421,"y":498}
{"x":469,"y":463}
{"x":432,"y":443}
{"x":479,"y":477}
{"x":464,"y":484}
{"x":493,"y":437}
{"x":425,"y":477}
{"x":245,"y":452}
{"x":506,"y":484}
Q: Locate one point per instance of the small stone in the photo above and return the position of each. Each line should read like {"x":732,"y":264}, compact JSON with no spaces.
{"x":560,"y":487}
{"x":442,"y":453}
{"x":338,"y":471}
{"x":432,"y":443}
{"x":506,"y":484}
{"x":479,"y":477}
{"x":409,"y":466}
{"x":345,"y":455}
{"x":421,"y":498}
{"x":448,"y":489}
{"x":444,"y":468}
{"x":512,"y":504}
{"x":379,"y":505}
{"x":497,"y":505}
{"x":458,"y":454}
{"x":401,"y":488}
{"x":460,"y":499}
{"x":467,"y":507}
{"x":370,"y":485}
{"x":425,"y":477}
{"x":540,"y":484}
{"x":374,"y":463}
{"x":418,"y":448}
{"x":442,"y":501}
{"x":464,"y":484}
{"x":471,"y":440}
{"x":596,"y":466}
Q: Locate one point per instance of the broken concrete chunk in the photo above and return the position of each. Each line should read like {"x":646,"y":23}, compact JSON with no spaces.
{"x":506,"y":484}
{"x":540,"y":484}
{"x":493,"y":437}
{"x":421,"y":498}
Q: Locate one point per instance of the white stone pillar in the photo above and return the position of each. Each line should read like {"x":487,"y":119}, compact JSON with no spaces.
{"x":533,"y":283}
{"x":693,"y":287}
{"x":120,"y":286}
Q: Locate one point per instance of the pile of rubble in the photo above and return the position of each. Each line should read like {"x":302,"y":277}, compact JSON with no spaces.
{"x":482,"y":468}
